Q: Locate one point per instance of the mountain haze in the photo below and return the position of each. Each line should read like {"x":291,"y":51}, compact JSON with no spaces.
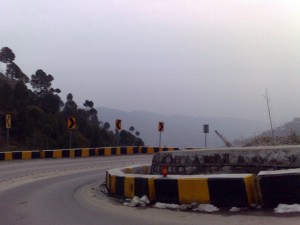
{"x":182,"y":131}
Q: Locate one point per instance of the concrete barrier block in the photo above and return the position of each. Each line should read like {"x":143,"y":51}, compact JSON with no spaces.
{"x":113,"y":151}
{"x":123,"y":150}
{"x":17,"y":155}
{"x":141,"y":186}
{"x":48,"y":153}
{"x":166,"y":190}
{"x":150,"y":150}
{"x":107,"y":151}
{"x":92,"y":152}
{"x":57,"y":154}
{"x":129,"y":190}
{"x":72,"y":153}
{"x":151,"y":187}
{"x":26,"y":155}
{"x":119,"y":186}
{"x":77,"y":152}
{"x":280,"y":186}
{"x":228,"y":191}
{"x":193,"y":190}
{"x":85,"y":152}
{"x":129,"y":150}
{"x":8,"y":156}
{"x":2,"y":156}
{"x":118,"y":151}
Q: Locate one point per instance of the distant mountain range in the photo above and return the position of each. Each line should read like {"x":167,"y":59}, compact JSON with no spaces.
{"x":182,"y":131}
{"x":289,"y":128}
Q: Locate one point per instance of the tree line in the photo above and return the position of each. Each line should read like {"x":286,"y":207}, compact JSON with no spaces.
{"x":39,"y":115}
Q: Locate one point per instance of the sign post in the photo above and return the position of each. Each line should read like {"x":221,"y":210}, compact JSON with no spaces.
{"x":8,"y":126}
{"x":161,"y":127}
{"x":71,"y":126}
{"x":205,"y":131}
{"x":118,"y":127}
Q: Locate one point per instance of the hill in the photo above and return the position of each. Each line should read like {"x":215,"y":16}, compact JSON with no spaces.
{"x":287,"y":134}
{"x":182,"y":131}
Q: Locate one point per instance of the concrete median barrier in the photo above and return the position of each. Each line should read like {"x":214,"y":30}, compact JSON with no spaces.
{"x":280,"y":186}
{"x":225,"y":190}
{"x":81,"y":152}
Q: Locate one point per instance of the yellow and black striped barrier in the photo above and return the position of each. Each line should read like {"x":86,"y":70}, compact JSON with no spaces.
{"x":20,"y":155}
{"x":224,"y":190}
{"x":81,"y":152}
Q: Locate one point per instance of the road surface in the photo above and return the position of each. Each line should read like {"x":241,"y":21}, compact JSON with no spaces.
{"x":66,"y":191}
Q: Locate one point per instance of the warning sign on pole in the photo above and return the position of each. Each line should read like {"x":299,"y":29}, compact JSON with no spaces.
{"x":71,"y":123}
{"x":161,"y":126}
{"x":118,"y":124}
{"x":8,"y":121}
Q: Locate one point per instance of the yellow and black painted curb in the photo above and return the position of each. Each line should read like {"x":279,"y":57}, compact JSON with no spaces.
{"x":81,"y":152}
{"x":224,"y":190}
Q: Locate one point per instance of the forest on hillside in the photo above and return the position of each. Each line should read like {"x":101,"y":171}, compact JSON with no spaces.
{"x":39,"y":116}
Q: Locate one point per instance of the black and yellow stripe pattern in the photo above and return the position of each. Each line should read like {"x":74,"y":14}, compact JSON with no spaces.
{"x":221,"y":190}
{"x":81,"y":152}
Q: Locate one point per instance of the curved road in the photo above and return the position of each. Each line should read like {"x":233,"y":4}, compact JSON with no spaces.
{"x":66,"y":191}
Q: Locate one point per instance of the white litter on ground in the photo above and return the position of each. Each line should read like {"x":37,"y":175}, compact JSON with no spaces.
{"x":136,"y":201}
{"x":166,"y":206}
{"x":145,"y":199}
{"x":284,"y":208}
{"x":206,"y":208}
{"x":234,"y":209}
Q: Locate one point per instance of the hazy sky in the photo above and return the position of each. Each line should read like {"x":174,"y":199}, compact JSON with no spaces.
{"x":190,"y":57}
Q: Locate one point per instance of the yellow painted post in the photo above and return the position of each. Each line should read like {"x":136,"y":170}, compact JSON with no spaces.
{"x":193,"y":190}
{"x":129,"y":187}
{"x":140,"y":149}
{"x":72,"y":153}
{"x":42,"y":154}
{"x":252,"y":193}
{"x":26,"y":155}
{"x":150,"y":150}
{"x":8,"y":156}
{"x":96,"y":151}
{"x":152,"y":195}
{"x":85,"y":152}
{"x":129,"y":150}
{"x":118,"y":151}
{"x":107,"y":151}
{"x":57,"y":154}
{"x":112,"y":185}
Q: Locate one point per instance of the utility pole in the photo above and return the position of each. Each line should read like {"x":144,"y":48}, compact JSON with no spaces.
{"x":268,"y":100}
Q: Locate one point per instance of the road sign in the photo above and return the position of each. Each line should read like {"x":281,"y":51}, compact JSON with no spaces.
{"x":206,"y":128}
{"x":205,"y":131}
{"x":118,"y":124}
{"x":8,"y":121}
{"x":161,"y":126}
{"x":71,"y":123}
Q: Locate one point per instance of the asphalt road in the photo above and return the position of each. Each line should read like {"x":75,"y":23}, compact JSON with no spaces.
{"x":66,"y":191}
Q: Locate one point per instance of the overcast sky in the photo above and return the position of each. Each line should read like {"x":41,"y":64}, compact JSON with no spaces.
{"x":189,"y":57}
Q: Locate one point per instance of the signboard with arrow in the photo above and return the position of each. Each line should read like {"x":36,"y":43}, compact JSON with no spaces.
{"x":8,"y":121}
{"x":118,"y":124}
{"x":71,"y":123}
